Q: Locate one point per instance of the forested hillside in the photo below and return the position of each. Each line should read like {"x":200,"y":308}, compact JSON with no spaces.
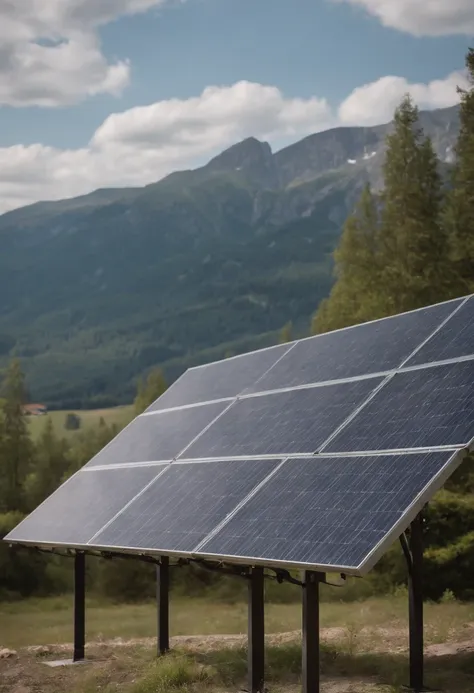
{"x":96,"y":290}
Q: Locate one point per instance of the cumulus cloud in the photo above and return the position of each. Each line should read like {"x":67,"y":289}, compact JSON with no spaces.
{"x":422,"y":17}
{"x":375,"y":102}
{"x":50,"y":53}
{"x":143,"y":144}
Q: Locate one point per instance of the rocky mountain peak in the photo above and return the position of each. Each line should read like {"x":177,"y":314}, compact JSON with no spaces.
{"x":251,"y":156}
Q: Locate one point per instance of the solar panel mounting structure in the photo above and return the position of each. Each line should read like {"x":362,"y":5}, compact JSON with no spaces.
{"x":314,"y":455}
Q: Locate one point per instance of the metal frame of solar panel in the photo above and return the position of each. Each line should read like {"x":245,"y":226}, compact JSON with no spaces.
{"x":320,"y":413}
{"x":315,"y":455}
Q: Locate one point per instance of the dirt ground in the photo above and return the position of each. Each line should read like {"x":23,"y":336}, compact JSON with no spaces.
{"x":367,"y":661}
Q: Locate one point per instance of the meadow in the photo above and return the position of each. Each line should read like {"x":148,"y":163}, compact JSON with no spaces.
{"x":364,"y":646}
{"x":119,"y":416}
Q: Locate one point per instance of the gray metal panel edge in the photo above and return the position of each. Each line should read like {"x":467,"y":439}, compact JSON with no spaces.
{"x":237,"y":560}
{"x":246,"y":353}
{"x":156,"y":412}
{"x":388,"y":317}
{"x":289,"y":456}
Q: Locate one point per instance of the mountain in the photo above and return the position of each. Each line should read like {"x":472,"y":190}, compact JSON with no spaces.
{"x":96,"y":289}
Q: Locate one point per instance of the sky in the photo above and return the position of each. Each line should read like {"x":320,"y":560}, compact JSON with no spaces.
{"x":109,"y":93}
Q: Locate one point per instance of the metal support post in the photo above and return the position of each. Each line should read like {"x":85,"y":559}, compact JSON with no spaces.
{"x":310,"y":648}
{"x":79,"y":606}
{"x":256,"y":632}
{"x":415,"y":596}
{"x":162,"y":597}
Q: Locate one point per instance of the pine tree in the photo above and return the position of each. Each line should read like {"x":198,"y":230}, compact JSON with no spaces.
{"x":459,"y":215}
{"x":286,"y":334}
{"x":355,"y":296}
{"x":149,"y":391}
{"x":413,"y":246}
{"x":16,"y":450}
{"x":51,"y":463}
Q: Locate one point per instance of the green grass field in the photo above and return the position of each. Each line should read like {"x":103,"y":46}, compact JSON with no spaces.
{"x":364,"y":647}
{"x":89,"y":417}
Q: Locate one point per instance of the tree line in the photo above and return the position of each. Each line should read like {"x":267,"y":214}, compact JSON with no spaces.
{"x":413,"y":244}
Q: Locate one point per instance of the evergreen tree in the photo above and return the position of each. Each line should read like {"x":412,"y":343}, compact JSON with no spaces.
{"x":355,"y":296}
{"x":286,"y":334}
{"x":149,"y":391}
{"x":51,"y":462}
{"x":459,"y":215}
{"x":88,"y":443}
{"x":16,"y":450}
{"x":414,"y":268}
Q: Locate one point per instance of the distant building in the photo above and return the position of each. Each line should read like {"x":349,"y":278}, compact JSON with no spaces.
{"x":35,"y":409}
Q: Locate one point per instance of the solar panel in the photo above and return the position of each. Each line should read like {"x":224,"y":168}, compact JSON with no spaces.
{"x":82,"y":505}
{"x":219,"y":380}
{"x":327,"y":512}
{"x":423,"y":408}
{"x":454,"y":340}
{"x":157,"y":437}
{"x":184,"y":505}
{"x":294,"y":421}
{"x":323,"y":451}
{"x":373,"y":347}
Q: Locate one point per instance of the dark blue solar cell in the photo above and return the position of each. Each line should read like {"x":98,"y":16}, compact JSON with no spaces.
{"x":281,"y":423}
{"x":454,"y":340}
{"x":373,"y":347}
{"x":423,"y":408}
{"x":157,"y":437}
{"x":184,"y":505}
{"x":82,"y":506}
{"x":221,"y":379}
{"x":326,"y":512}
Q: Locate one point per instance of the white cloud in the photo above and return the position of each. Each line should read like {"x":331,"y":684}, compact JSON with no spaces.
{"x":375,"y":102}
{"x":422,"y":17}
{"x":143,"y":144}
{"x":50,"y":53}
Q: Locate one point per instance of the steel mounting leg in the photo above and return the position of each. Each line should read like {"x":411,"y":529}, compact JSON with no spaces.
{"x":162,"y":598}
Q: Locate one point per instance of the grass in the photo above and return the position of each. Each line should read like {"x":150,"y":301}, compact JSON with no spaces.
{"x":89,"y":417}
{"x":42,"y":621}
{"x":364,"y":647}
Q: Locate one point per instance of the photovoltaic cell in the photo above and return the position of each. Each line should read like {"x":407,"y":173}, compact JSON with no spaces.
{"x":454,"y":340}
{"x":369,"y":348}
{"x":422,"y":408}
{"x":326,"y":511}
{"x":157,"y":437}
{"x":218,"y":380}
{"x":281,"y":423}
{"x":82,"y":506}
{"x":177,"y":511}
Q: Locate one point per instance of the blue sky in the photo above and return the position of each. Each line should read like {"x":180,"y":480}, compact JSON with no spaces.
{"x":117,"y":55}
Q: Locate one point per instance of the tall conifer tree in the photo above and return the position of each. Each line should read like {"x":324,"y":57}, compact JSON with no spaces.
{"x":355,"y":296}
{"x":413,"y":243}
{"x":154,"y":386}
{"x":16,"y":449}
{"x":459,"y":216}
{"x":51,"y":463}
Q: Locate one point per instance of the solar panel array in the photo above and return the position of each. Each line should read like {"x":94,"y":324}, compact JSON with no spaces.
{"x":316,"y":454}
